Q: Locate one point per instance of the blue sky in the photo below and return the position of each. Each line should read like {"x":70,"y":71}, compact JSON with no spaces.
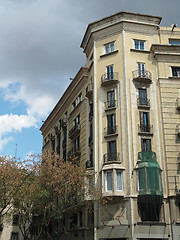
{"x":39,"y":52}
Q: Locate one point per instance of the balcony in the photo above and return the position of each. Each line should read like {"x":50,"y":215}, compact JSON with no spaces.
{"x":111,"y":104}
{"x":89,"y":90}
{"x":89,"y":163}
{"x":58,"y":149}
{"x":64,"y":141}
{"x":113,"y":157}
{"x":178,"y":129}
{"x":111,"y":131}
{"x":64,"y":122}
{"x":90,"y":139}
{"x":142,"y":76}
{"x":143,"y":102}
{"x":145,"y":129}
{"x":178,"y":103}
{"x":75,"y":131}
{"x":91,"y":114}
{"x":109,"y":79}
{"x":75,"y":151}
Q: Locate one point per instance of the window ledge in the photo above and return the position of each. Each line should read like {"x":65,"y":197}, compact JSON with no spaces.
{"x":174,"y":77}
{"x":76,"y":107}
{"x":151,"y":223}
{"x":139,"y":50}
{"x":107,"y":54}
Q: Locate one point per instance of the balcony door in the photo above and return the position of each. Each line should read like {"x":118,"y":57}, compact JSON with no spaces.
{"x":111,"y":124}
{"x":142,"y":96}
{"x":141,"y":69}
{"x":111,"y":99}
{"x":144,"y":121}
{"x":110,"y":72}
{"x":112,"y":151}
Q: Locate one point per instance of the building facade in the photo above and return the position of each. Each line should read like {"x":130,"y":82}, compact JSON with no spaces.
{"x":121,"y":116}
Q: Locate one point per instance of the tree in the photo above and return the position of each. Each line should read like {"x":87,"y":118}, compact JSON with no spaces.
{"x":50,"y":189}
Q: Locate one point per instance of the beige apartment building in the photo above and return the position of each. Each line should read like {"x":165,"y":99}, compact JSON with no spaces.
{"x":121,"y":116}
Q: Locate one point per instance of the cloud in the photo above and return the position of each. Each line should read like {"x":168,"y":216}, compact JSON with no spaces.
{"x":39,"y":50}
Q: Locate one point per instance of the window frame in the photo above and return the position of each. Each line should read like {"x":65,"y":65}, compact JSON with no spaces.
{"x":139,"y":44}
{"x":108,"y":48}
{"x":173,"y":70}
{"x":116,"y":183}
{"x":106,"y":181}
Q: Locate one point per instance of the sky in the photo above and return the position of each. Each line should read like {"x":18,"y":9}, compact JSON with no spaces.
{"x":39,"y":53}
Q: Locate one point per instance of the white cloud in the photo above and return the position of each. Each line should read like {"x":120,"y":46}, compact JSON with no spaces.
{"x":39,"y":50}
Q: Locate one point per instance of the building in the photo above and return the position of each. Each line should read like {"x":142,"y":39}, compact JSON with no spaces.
{"x":121,"y":116}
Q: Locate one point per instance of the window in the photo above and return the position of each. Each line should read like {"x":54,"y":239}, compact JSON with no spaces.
{"x":111,"y":124}
{"x":139,"y":44}
{"x":143,"y":97}
{"x":119,"y":185}
{"x":175,"y":71}
{"x":144,"y":121}
{"x":141,"y":69}
{"x":77,"y":101}
{"x":111,"y":99}
{"x":146,"y":145}
{"x":141,"y":179}
{"x":109,"y":180}
{"x":174,"y":41}
{"x":110,"y":72}
{"x":76,"y":121}
{"x":109,"y":47}
{"x":14,"y":236}
{"x":15,"y":219}
{"x":111,"y":151}
{"x":76,"y":143}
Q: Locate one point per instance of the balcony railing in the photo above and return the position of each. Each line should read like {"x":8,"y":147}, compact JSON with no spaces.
{"x":91,"y":114}
{"x":110,"y":104}
{"x":110,"y":130}
{"x":90,"y":139}
{"x":142,"y":76}
{"x":178,"y":103}
{"x":145,"y":129}
{"x":64,"y":122}
{"x":64,"y":141}
{"x":109,"y":78}
{"x":89,"y":163}
{"x":143,"y":102}
{"x":58,"y":149}
{"x":111,"y":157}
{"x":178,"y":129}
{"x":89,"y":90}
{"x":75,"y":151}
{"x":75,"y":130}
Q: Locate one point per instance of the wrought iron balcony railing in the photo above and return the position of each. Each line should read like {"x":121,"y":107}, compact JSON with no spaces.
{"x":178,"y":129}
{"x":75,"y":130}
{"x":145,"y":129}
{"x":89,"y":90}
{"x":112,"y":157}
{"x":89,"y":163}
{"x":90,"y":139}
{"x":110,"y":130}
{"x":142,"y":76}
{"x":74,"y":151}
{"x":110,"y":104}
{"x":143,"y":102}
{"x":178,"y":103}
{"x":109,"y":78}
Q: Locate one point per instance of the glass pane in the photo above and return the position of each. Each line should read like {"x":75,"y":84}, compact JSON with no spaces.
{"x":142,"y":45}
{"x":109,"y":181}
{"x":141,"y":179}
{"x":119,"y":180}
